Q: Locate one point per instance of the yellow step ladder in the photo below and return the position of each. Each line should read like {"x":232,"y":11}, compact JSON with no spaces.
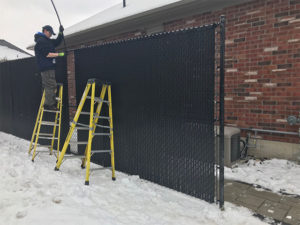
{"x":94,"y":118}
{"x":36,"y":135}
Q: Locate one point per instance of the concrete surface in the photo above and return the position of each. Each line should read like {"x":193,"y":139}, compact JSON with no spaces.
{"x":283,"y":208}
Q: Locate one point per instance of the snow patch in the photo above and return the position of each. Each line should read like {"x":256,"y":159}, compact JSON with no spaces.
{"x":33,"y":193}
{"x":118,"y":12}
{"x":277,"y":175}
{"x":11,"y":54}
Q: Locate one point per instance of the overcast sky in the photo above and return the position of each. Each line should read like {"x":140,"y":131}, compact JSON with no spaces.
{"x":21,"y":19}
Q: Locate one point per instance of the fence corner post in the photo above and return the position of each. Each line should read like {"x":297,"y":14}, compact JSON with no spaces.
{"x":222,"y":80}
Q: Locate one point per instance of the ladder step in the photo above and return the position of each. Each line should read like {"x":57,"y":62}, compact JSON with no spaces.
{"x":79,"y":142}
{"x":97,"y":99}
{"x":82,"y":128}
{"x":83,"y":125}
{"x":48,"y":123}
{"x":99,"y":125}
{"x":95,"y":115}
{"x":100,"y":151}
{"x":85,"y":113}
{"x":51,"y":111}
{"x":102,"y":117}
{"x":102,"y":134}
{"x":41,"y":137}
{"x":45,"y":134}
{"x":74,"y":156}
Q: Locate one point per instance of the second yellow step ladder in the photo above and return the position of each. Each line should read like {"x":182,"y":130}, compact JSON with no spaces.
{"x":94,"y":118}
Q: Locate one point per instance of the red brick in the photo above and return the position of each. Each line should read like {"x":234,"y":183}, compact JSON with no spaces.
{"x":263,"y":29}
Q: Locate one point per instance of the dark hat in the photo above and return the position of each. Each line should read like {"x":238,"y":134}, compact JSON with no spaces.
{"x":49,"y":28}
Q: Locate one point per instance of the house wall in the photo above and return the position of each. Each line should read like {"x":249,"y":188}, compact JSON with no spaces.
{"x":262,"y":79}
{"x":71,"y":83}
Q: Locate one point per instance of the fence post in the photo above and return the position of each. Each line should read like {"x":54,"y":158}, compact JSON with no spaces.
{"x":221,"y":146}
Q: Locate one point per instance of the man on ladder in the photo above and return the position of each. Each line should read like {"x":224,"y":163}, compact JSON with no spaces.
{"x":45,"y":55}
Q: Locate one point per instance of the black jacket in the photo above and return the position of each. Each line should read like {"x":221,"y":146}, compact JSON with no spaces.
{"x":43,"y":47}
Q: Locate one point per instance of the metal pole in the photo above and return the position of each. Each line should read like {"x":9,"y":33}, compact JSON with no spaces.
{"x":59,"y":24}
{"x":222,"y":79}
{"x":270,"y":131}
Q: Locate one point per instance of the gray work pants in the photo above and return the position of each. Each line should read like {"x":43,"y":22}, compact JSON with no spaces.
{"x":50,"y":86}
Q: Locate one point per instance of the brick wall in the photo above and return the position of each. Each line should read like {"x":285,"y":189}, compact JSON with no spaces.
{"x":262,"y":84}
{"x":71,"y":84}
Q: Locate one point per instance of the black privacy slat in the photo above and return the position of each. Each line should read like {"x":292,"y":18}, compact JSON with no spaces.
{"x":20,"y":97}
{"x":163,"y":108}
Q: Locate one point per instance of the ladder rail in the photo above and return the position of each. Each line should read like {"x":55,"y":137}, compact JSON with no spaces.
{"x":36,"y":123}
{"x":54,"y":128}
{"x":98,"y":110}
{"x":60,"y":114}
{"x":38,"y":129}
{"x":111,"y":134}
{"x":88,"y":153}
{"x":73,"y":125}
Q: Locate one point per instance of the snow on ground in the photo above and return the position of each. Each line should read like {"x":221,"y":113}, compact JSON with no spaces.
{"x":11,"y":54}
{"x":35,"y":194}
{"x":277,"y":175}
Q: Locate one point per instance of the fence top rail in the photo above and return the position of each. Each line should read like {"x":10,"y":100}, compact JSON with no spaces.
{"x":148,"y":36}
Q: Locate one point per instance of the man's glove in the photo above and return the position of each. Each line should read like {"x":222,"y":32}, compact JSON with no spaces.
{"x":61,"y":29}
{"x":61,"y":54}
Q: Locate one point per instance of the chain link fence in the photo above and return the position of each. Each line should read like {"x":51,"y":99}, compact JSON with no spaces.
{"x":163,"y":106}
{"x":20,"y":97}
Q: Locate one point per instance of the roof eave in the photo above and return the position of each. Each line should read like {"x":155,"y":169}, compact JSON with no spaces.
{"x":143,"y":20}
{"x":129,"y":18}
